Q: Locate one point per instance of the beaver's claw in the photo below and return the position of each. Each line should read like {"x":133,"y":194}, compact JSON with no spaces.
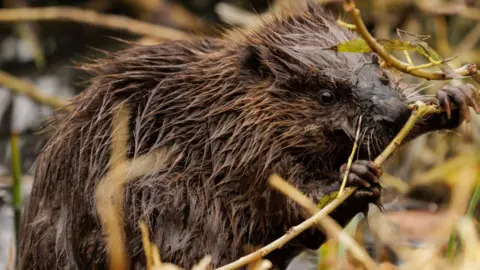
{"x":463,"y":96}
{"x":365,"y":175}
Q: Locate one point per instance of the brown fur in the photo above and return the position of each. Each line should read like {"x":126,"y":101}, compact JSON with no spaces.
{"x":230,"y":112}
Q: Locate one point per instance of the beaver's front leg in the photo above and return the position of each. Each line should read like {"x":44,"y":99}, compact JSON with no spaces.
{"x":463,"y":96}
{"x":364,"y":175}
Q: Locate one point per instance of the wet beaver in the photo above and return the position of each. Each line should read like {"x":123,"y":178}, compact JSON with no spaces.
{"x":228,"y":112}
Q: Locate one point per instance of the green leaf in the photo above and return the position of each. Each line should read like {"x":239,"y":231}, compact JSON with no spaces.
{"x":424,"y":49}
{"x":359,"y":45}
{"x":428,"y":52}
{"x":327,"y":199}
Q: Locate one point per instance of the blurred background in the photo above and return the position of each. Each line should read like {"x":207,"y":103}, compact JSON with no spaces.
{"x":45,"y":53}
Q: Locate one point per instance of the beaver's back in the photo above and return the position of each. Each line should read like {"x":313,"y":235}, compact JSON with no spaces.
{"x":60,"y":227}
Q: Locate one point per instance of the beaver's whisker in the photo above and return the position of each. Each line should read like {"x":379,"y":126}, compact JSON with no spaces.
{"x":420,"y":98}
{"x":415,"y":87}
{"x":368,"y":148}
{"x":417,"y":91}
{"x":360,"y":143}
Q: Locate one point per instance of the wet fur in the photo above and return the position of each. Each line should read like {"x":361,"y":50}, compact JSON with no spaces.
{"x":230,"y":112}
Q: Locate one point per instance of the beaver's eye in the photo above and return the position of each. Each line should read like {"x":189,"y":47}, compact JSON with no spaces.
{"x":326,"y":97}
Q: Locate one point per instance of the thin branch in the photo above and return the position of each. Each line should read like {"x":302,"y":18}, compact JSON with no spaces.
{"x":423,"y":66}
{"x":349,"y":6}
{"x":24,"y":88}
{"x":350,"y":158}
{"x":115,"y":22}
{"x":292,"y":233}
{"x":328,"y":224}
{"x":405,"y":52}
{"x":346,"y":25}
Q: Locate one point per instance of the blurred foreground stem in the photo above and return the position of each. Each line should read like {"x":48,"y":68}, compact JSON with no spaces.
{"x":114,"y":22}
{"x":24,"y":88}
{"x":474,"y":201}
{"x":17,"y":186}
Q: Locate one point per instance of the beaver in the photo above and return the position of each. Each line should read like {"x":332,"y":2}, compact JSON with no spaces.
{"x":227,"y":112}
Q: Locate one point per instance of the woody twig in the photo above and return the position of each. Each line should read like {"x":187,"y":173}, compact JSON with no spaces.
{"x":418,"y":71}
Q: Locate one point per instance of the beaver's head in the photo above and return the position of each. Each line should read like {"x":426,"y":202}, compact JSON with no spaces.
{"x":317,"y":94}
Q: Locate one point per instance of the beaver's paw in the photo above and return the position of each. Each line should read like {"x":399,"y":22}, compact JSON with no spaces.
{"x":364,"y":175}
{"x":463,"y":96}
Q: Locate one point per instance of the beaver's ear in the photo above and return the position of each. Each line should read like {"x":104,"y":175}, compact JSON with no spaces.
{"x":253,"y":59}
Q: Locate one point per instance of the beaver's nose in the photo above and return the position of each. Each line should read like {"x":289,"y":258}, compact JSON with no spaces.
{"x":392,"y":113}
{"x":391,"y":125}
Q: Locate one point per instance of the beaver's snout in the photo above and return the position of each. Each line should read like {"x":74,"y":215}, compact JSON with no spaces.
{"x":381,"y":103}
{"x":391,"y":113}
